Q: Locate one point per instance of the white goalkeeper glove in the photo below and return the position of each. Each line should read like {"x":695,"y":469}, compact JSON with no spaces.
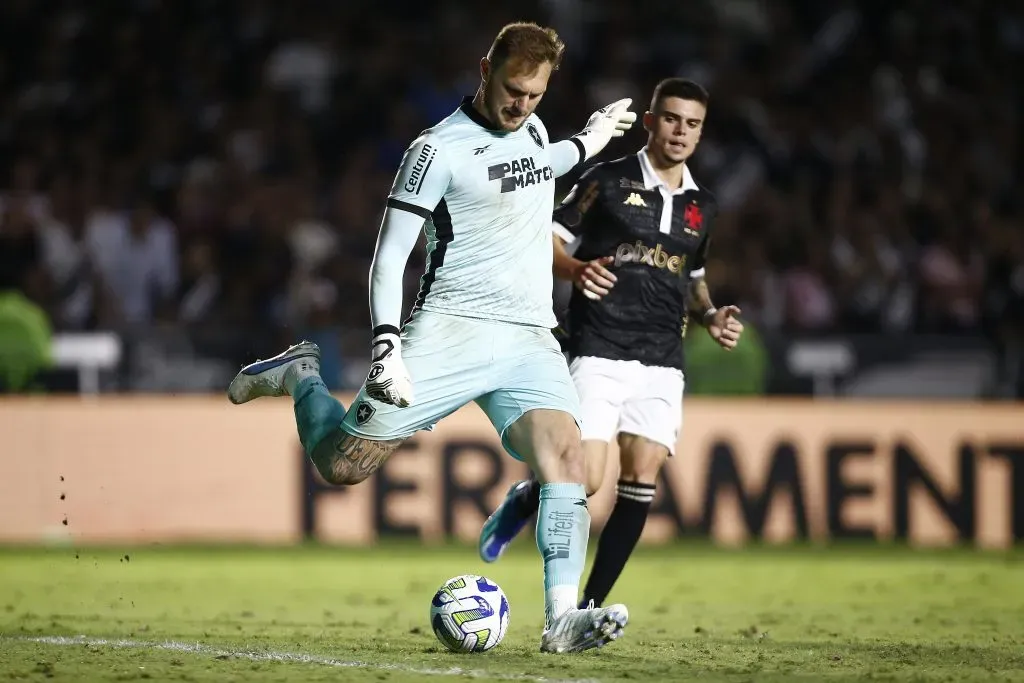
{"x":604,"y":124}
{"x":388,"y":381}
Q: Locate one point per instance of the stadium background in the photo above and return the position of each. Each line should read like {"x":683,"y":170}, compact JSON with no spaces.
{"x":186,"y":186}
{"x":866,"y":155}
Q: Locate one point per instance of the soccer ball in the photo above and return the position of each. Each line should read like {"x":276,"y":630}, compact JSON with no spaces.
{"x":469,"y":613}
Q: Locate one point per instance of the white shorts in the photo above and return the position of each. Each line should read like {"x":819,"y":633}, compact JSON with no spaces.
{"x":628,"y":396}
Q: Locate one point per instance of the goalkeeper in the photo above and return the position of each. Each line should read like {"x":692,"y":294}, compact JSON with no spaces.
{"x":482,"y":183}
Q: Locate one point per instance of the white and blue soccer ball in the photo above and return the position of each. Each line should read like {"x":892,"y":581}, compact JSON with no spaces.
{"x":469,"y":613}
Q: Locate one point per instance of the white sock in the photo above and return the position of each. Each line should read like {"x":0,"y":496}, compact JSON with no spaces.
{"x":300,"y":370}
{"x":558,"y":600}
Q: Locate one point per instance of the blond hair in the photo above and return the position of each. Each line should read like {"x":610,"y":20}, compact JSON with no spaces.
{"x":528,"y":43}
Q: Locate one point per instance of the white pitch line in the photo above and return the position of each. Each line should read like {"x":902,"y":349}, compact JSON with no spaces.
{"x":270,"y":656}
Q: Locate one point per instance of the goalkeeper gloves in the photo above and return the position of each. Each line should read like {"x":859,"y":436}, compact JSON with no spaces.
{"x":606,"y":123}
{"x":388,"y":381}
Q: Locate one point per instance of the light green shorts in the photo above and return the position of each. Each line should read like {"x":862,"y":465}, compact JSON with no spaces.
{"x":506,"y":369}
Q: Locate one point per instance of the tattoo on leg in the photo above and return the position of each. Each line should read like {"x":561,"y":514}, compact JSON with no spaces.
{"x":353,"y":459}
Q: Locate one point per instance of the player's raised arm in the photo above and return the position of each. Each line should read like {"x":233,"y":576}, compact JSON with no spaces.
{"x":604,"y":124}
{"x":566,"y":155}
{"x":419,"y":187}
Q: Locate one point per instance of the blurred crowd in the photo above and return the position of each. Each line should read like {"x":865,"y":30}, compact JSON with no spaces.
{"x":219,"y":165}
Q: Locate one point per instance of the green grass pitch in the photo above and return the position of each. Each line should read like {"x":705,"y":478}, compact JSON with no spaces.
{"x":339,"y":614}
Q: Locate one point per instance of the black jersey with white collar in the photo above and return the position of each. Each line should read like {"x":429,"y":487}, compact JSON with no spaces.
{"x":659,"y":239}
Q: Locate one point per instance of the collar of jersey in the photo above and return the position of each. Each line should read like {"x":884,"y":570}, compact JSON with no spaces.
{"x":653,"y":180}
{"x":476,"y":117}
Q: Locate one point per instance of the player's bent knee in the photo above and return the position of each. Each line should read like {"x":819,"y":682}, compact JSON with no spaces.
{"x":645,"y":473}
{"x":345,"y":459}
{"x":641,"y":459}
{"x":574,"y":465}
{"x":561,"y":461}
{"x":549,"y":441}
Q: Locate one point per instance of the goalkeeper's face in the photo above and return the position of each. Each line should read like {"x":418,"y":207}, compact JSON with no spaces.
{"x":513,"y":90}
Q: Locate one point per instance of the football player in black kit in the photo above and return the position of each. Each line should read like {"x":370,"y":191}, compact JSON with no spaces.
{"x":640,"y":227}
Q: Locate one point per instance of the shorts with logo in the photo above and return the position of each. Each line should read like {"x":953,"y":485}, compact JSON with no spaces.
{"x":630,"y":397}
{"x":506,"y":369}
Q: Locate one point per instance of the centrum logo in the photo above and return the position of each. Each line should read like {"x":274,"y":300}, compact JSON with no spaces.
{"x":656,"y":256}
{"x":419,"y":169}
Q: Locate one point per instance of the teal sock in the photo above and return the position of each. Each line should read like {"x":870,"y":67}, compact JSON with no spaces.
{"x":317,"y":413}
{"x":563,"y":529}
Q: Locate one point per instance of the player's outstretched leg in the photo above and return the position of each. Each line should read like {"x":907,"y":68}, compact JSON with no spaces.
{"x":549,"y":441}
{"x":339,"y":457}
{"x":295,"y":373}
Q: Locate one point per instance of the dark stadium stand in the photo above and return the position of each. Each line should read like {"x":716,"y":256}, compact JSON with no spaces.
{"x":205,"y":179}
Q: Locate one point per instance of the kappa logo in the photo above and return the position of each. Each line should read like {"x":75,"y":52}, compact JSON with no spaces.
{"x":364,"y":411}
{"x":535,"y":134}
{"x":634,"y":199}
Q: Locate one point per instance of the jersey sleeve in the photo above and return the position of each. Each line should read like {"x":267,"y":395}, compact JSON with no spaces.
{"x":399,"y":232}
{"x":569,"y":220}
{"x":422,"y":178}
{"x":566,"y":155}
{"x":420,"y":184}
{"x":701,"y":256}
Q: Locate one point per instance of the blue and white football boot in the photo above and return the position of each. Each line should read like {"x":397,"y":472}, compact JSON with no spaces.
{"x":504,"y":524}
{"x":267,"y":377}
